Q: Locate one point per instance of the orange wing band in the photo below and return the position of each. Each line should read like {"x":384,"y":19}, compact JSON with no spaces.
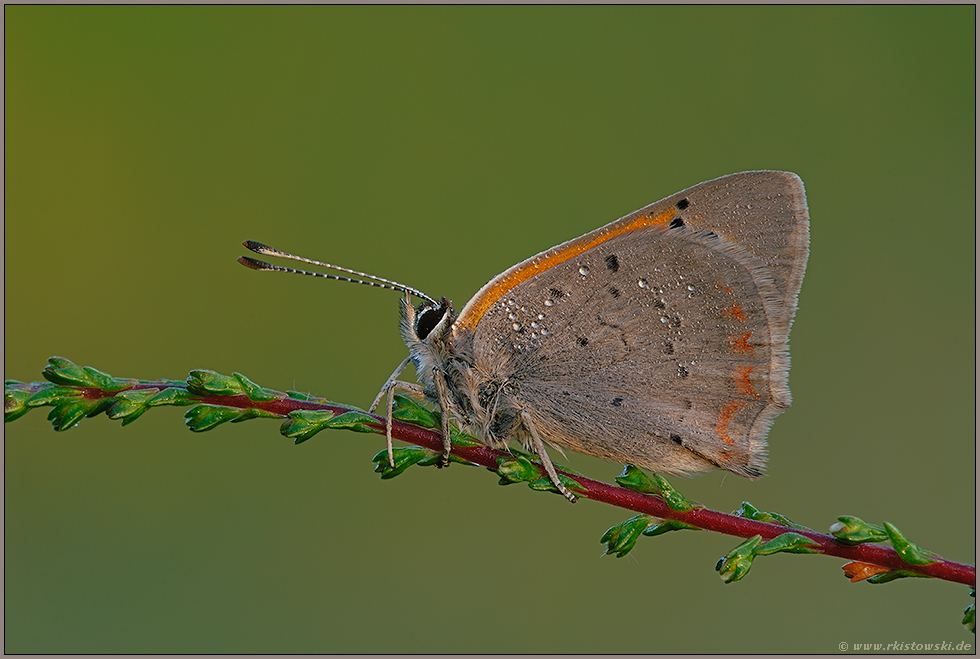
{"x":549,"y":260}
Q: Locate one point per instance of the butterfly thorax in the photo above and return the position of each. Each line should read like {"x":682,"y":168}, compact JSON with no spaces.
{"x":483,"y":404}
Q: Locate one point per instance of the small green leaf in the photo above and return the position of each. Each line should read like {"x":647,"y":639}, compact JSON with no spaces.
{"x":792,"y":543}
{"x":205,"y":382}
{"x":885,"y":577}
{"x":635,"y":479}
{"x":748,"y":511}
{"x":254,"y":391}
{"x":106,"y":382}
{"x":736,"y":564}
{"x":130,"y":405}
{"x":409,"y":410}
{"x":65,"y":372}
{"x":205,"y":417}
{"x":15,"y":402}
{"x":544,"y":484}
{"x":299,"y":395}
{"x":436,"y":459}
{"x":668,"y":525}
{"x":53,"y":396}
{"x":355,"y":420}
{"x":854,"y":531}
{"x":172,"y":396}
{"x":908,"y":551}
{"x":970,"y":616}
{"x":516,"y":469}
{"x":405,"y":457}
{"x":303,"y":424}
{"x":621,"y":538}
{"x":65,"y":415}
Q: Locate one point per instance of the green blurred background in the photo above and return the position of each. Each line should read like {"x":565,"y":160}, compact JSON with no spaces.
{"x":438,"y":146}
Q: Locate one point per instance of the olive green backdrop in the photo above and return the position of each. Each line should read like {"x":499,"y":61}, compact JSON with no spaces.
{"x":438,"y":146}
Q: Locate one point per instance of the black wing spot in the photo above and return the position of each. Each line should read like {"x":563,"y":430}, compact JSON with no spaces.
{"x":617,"y":401}
{"x":682,"y":204}
{"x":682,"y":371}
{"x":676,"y":439}
{"x":612,"y":262}
{"x":676,"y":223}
{"x":557,"y":292}
{"x":659,"y":304}
{"x":688,"y":404}
{"x":668,"y":348}
{"x":582,"y":341}
{"x":614,"y":291}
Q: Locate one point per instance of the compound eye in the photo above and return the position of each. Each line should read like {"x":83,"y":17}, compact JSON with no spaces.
{"x":427,"y":319}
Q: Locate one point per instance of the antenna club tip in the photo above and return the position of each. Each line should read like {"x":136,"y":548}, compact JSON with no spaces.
{"x":255,"y":246}
{"x":251,"y":263}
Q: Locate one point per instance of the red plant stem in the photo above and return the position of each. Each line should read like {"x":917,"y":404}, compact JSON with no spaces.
{"x":703,"y":518}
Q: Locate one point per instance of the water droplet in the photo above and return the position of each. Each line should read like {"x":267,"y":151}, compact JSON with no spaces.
{"x":517,"y":327}
{"x":643,"y":283}
{"x":540,"y":316}
{"x":511,"y":302}
{"x":583,"y":270}
{"x":690,"y":287}
{"x":534,"y":335}
{"x":544,"y":332}
{"x":664,"y":319}
{"x":549,"y":302}
{"x":535,"y":325}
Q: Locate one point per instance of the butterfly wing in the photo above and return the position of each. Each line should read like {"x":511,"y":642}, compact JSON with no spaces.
{"x":659,"y":339}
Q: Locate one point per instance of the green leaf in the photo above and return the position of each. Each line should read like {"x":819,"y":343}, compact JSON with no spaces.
{"x":65,"y":372}
{"x":15,"y":402}
{"x":908,"y":551}
{"x":970,"y":616}
{"x":205,"y":417}
{"x":50,"y":395}
{"x":854,"y":531}
{"x":205,"y":382}
{"x":668,"y":525}
{"x":792,"y":543}
{"x":885,"y":577}
{"x":130,"y":405}
{"x":65,"y":415}
{"x":355,"y":420}
{"x":736,"y":564}
{"x":405,"y":457}
{"x":748,"y":511}
{"x":409,"y":410}
{"x":172,"y":396}
{"x":516,"y":469}
{"x":303,"y":424}
{"x":254,"y":391}
{"x":436,"y":458}
{"x":635,"y":479}
{"x":621,"y":538}
{"x":544,"y":484}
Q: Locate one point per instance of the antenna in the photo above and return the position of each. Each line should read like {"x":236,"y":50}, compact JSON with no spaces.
{"x":369,"y":280}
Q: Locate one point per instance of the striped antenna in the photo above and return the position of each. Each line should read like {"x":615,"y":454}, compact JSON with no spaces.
{"x":369,"y":280}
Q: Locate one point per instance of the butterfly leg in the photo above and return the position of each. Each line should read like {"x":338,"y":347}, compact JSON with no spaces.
{"x":388,"y":389}
{"x":543,"y":454}
{"x":415,"y":391}
{"x":444,"y":406}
